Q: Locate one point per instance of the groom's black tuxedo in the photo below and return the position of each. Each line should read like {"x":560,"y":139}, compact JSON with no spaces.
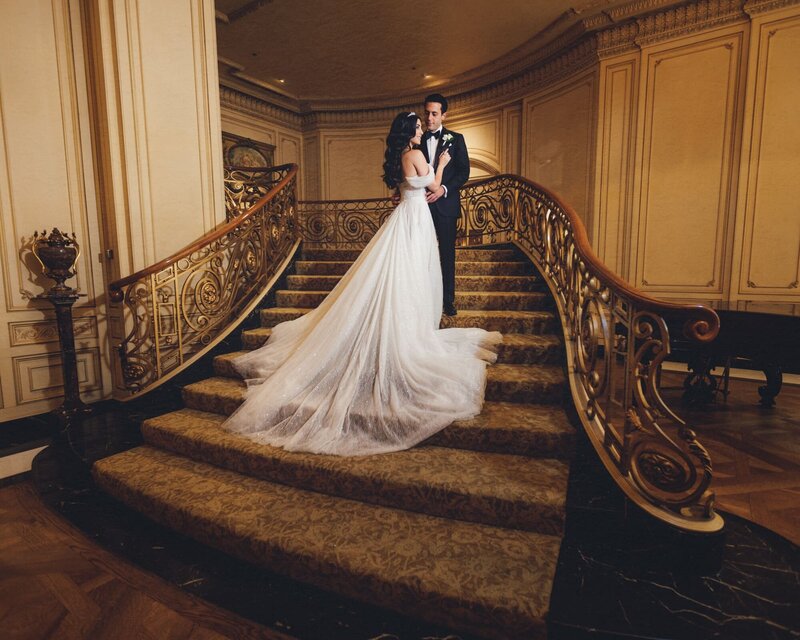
{"x":447,"y":210}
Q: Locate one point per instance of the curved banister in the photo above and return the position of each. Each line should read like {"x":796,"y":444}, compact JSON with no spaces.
{"x":167,"y":315}
{"x":225,"y":228}
{"x":707,"y":321}
{"x":616,"y":337}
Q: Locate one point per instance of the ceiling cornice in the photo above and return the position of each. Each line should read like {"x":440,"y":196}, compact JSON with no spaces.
{"x":626,"y":27}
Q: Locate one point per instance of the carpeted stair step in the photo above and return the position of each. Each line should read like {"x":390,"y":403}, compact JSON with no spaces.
{"x":502,"y":300}
{"x":539,"y":322}
{"x":338,"y":268}
{"x":516,"y":348}
{"x":492,"y":488}
{"x":503,"y":254}
{"x":509,"y":427}
{"x":463,"y":283}
{"x":473,"y":577}
{"x":537,"y":384}
{"x":502,"y":427}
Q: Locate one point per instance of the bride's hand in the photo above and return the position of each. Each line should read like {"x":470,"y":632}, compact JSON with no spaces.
{"x":444,"y":158}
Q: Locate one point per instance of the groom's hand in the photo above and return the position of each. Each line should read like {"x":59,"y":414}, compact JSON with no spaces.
{"x":433,"y":196}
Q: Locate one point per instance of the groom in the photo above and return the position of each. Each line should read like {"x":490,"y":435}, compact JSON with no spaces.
{"x":445,"y":202}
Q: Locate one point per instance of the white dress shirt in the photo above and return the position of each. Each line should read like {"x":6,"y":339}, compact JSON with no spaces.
{"x":433,"y":143}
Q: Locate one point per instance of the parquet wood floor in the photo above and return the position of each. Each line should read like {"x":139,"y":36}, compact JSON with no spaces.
{"x":755,"y":452}
{"x":57,"y":583}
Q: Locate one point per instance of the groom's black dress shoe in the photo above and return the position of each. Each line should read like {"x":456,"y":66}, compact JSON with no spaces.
{"x":450,"y":310}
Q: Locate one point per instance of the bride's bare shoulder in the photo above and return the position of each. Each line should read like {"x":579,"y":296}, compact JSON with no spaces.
{"x":415,"y":158}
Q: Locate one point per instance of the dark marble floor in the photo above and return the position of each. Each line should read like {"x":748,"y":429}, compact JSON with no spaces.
{"x":620,"y":574}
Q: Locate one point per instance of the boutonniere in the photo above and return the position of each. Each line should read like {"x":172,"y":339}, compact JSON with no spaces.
{"x":447,"y":139}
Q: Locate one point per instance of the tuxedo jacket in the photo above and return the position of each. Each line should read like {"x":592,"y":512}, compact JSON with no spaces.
{"x":456,"y":173}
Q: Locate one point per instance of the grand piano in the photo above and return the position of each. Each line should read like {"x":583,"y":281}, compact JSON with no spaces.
{"x":752,"y":335}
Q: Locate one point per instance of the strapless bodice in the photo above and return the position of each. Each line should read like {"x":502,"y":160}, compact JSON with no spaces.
{"x":413,"y":187}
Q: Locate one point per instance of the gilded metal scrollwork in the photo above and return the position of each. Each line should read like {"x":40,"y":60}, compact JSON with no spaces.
{"x":343,"y":224}
{"x":245,"y":186}
{"x":175,"y":310}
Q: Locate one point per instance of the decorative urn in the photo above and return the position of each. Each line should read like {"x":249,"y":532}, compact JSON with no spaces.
{"x":58,"y":254}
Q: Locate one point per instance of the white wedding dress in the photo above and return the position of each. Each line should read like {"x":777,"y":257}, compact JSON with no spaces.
{"x":369,"y":371}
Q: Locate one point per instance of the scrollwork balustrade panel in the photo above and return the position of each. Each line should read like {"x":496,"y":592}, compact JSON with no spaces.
{"x":173,"y":314}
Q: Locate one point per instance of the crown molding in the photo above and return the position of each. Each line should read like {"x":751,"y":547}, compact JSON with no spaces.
{"x":243,"y":101}
{"x":757,"y":7}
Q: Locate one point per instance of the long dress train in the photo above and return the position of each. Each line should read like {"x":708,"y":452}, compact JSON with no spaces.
{"x":369,"y":371}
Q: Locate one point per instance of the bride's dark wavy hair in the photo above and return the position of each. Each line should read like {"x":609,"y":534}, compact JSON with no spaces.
{"x":403,"y":128}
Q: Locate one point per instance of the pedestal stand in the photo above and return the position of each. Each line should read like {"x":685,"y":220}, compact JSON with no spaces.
{"x":62,"y":300}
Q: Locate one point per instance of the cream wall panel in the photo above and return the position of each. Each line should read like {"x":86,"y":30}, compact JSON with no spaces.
{"x":614,"y":179}
{"x":288,"y":149}
{"x":311,"y":167}
{"x":689,"y":95}
{"x":483,"y":137}
{"x":558,"y":141}
{"x":41,"y":180}
{"x":512,"y":125}
{"x":46,"y":180}
{"x":352,"y":165}
{"x":157,"y":79}
{"x":175,"y":137}
{"x":770,"y":263}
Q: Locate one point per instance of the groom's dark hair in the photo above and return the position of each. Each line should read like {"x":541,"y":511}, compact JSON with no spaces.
{"x":437,"y":97}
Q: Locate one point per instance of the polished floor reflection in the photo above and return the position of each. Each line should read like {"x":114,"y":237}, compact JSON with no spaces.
{"x":755,"y":451}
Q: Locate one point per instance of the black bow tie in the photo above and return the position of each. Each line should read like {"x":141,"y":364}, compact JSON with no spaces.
{"x":433,"y":134}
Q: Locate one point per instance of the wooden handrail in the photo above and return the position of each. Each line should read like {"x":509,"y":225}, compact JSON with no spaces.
{"x":115,"y":288}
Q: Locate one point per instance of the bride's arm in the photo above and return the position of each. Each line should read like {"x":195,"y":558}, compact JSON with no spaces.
{"x":444,"y":159}
{"x":421,"y":167}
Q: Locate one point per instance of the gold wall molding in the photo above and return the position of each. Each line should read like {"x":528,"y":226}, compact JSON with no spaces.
{"x":39,"y":377}
{"x":768,"y":236}
{"x":512,"y":142}
{"x":690,"y":103}
{"x":614,"y":163}
{"x":37,"y":332}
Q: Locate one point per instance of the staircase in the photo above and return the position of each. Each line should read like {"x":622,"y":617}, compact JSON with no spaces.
{"x":463,"y":530}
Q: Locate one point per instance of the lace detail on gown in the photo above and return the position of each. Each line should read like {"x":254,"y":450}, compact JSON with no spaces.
{"x":369,"y":370}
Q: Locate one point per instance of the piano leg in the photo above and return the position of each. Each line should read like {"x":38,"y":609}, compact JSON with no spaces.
{"x":773,"y":386}
{"x":700,"y":385}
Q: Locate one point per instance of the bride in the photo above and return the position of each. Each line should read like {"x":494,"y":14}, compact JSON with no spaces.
{"x":369,"y":371}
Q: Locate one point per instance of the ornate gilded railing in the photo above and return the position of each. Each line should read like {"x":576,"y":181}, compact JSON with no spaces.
{"x":169,"y":314}
{"x":244,"y":186}
{"x":345,"y":224}
{"x":616,"y":337}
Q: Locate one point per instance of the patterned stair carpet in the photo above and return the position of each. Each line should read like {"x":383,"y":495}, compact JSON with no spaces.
{"x":463,"y":530}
